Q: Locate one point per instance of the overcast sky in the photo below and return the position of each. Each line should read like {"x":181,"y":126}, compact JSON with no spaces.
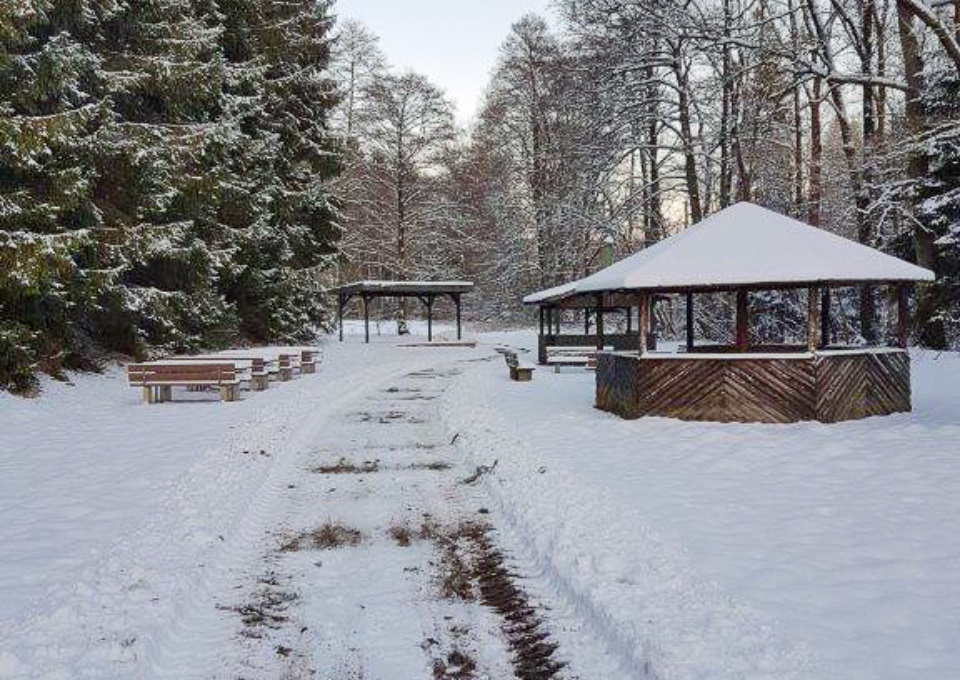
{"x":452,"y":42}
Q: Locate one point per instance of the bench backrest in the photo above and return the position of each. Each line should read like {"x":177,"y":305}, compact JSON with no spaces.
{"x":511,"y":359}
{"x":183,"y":373}
{"x":571,"y":351}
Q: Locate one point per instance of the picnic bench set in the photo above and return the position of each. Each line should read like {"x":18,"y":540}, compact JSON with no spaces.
{"x":558,"y":357}
{"x":224,"y":372}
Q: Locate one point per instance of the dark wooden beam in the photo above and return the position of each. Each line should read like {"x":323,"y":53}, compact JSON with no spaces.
{"x":743,"y":320}
{"x":825,"y":303}
{"x":457,"y":301}
{"x":629,"y":320}
{"x":542,"y":315}
{"x":654,"y":329}
{"x":690,"y":328}
{"x":599,"y":322}
{"x":366,"y":319}
{"x":903,"y":315}
{"x":643,"y":322}
{"x":340,"y":304}
{"x":812,"y":318}
{"x":586,"y":321}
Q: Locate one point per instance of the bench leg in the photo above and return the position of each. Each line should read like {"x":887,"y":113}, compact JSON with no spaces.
{"x":147,"y":395}
{"x":524,"y":375}
{"x":259,"y":383}
{"x":229,"y":392}
{"x":308,"y":368}
{"x":286,"y":374}
{"x":556,"y":369}
{"x":166,"y":393}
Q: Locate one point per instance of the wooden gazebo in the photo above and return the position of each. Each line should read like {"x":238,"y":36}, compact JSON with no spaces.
{"x":741,"y":250}
{"x":426,"y":292}
{"x":553,"y":302}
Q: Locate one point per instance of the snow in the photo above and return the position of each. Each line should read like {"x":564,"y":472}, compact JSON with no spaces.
{"x":733,"y":551}
{"x":551,"y":293}
{"x":657,"y":548}
{"x":748,"y":245}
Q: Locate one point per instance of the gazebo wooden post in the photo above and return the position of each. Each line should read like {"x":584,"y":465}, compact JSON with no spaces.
{"x":457,"y":304}
{"x":690,"y":329}
{"x":653,"y":330}
{"x":812,"y":318}
{"x":557,"y":318}
{"x":541,"y":319}
{"x":643,"y":322}
{"x":586,"y":321}
{"x":629,"y":320}
{"x":428,"y":302}
{"x":600,"y":321}
{"x":825,"y":302}
{"x":366,"y":319}
{"x":743,"y":320}
{"x":903,"y":315}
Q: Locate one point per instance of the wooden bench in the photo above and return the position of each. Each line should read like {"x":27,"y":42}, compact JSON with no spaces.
{"x":519,"y":371}
{"x":571,"y":356}
{"x":158,"y":379}
{"x":251,"y":370}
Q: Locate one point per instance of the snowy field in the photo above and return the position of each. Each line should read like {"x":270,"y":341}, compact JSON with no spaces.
{"x":134,"y":538}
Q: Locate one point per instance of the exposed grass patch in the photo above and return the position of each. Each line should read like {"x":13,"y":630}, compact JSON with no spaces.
{"x":436,"y":466}
{"x":325,"y":537}
{"x":402,"y":535}
{"x":346,"y":467}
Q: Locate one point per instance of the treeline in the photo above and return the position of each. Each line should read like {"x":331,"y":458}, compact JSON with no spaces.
{"x":630,"y":119}
{"x":164,"y":177}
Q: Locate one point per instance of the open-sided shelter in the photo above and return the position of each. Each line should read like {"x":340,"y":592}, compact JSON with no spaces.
{"x":741,"y":250}
{"x":426,"y":292}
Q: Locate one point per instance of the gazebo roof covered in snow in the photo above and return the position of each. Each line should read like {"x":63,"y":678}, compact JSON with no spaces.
{"x":749,"y":246}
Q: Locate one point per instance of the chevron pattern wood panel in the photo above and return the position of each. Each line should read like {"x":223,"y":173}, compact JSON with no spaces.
{"x":829,"y":388}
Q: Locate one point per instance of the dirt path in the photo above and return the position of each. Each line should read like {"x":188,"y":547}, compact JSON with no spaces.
{"x":387,"y":563}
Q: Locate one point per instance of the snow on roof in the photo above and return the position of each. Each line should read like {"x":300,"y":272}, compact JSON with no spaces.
{"x":747,"y":245}
{"x":412,"y":287}
{"x":551,"y":293}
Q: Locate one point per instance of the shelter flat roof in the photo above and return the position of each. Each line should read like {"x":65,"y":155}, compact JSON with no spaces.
{"x":401,"y":288}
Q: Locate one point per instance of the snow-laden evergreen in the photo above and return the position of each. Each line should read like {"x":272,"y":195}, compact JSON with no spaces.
{"x":164,"y":170}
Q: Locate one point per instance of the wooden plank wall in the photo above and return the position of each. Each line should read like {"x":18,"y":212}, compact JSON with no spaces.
{"x":829,"y":388}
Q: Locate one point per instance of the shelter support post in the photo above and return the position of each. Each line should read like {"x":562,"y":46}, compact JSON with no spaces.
{"x":557,"y":317}
{"x":541,"y":321}
{"x":812,"y":319}
{"x":643,"y":322}
{"x":459,"y":306}
{"x":690,"y":329}
{"x":743,"y":320}
{"x":428,"y":301}
{"x":653,"y":330}
{"x":586,"y":321}
{"x":340,"y":304}
{"x":903,"y":315}
{"x":629,"y":320}
{"x":600,"y":322}
{"x":366,"y":319}
{"x":825,"y":302}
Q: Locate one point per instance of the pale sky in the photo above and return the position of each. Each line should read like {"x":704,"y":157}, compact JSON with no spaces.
{"x":452,"y":42}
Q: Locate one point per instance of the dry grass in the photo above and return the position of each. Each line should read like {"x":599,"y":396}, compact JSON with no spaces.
{"x":325,"y":537}
{"x":347,"y":467}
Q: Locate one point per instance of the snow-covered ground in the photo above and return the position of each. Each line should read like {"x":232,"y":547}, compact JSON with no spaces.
{"x":131,"y":536}
{"x":843,"y":540}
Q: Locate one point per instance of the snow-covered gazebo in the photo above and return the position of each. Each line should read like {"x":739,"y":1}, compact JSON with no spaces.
{"x":740,"y":250}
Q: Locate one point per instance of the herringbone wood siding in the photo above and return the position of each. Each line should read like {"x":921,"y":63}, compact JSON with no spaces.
{"x":827,"y":388}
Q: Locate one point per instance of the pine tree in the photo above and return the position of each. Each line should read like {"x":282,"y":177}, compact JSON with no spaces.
{"x":157,"y":179}
{"x":281,"y":97}
{"x":51,"y":109}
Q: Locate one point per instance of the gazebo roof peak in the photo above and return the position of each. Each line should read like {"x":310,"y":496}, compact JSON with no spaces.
{"x":747,"y":245}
